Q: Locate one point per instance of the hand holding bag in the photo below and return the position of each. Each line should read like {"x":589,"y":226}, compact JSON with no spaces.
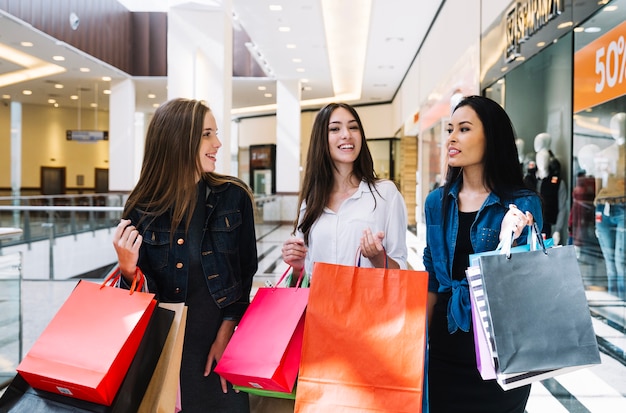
{"x":264,"y":352}
{"x":88,"y":346}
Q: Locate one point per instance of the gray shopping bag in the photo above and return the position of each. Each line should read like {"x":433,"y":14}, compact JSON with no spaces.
{"x":538,"y":310}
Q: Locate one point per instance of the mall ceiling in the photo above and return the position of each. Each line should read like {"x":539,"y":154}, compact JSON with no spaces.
{"x":291,"y":41}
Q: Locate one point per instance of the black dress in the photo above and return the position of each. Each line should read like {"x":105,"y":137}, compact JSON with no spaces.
{"x":204,"y":317}
{"x":454,"y":383}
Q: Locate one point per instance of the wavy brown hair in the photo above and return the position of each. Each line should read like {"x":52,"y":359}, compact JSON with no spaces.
{"x":318,"y":176}
{"x":171,"y":164}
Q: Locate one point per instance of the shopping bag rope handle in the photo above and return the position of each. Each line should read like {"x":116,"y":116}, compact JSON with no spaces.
{"x":114,"y":276}
{"x":282,"y":277}
{"x":357,"y":258}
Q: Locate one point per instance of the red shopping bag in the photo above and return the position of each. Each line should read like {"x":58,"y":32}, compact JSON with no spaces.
{"x":364,"y":341}
{"x":264,"y":352}
{"x":87,"y":348}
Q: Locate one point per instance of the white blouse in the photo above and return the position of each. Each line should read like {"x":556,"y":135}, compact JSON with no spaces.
{"x":335,"y":236}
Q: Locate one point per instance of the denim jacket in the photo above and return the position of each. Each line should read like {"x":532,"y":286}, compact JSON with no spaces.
{"x":484,"y":235}
{"x":229,"y":255}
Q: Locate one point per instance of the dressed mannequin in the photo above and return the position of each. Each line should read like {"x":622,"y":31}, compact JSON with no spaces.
{"x":581,"y":222}
{"x":551,"y":187}
{"x":610,"y":206}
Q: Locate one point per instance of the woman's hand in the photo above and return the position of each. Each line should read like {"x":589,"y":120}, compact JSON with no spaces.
{"x":216,"y":351}
{"x":515,"y":221}
{"x":294,"y":253}
{"x":127,"y":241}
{"x":372,"y":247}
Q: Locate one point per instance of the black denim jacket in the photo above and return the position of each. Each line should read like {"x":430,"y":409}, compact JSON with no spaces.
{"x":229,"y":255}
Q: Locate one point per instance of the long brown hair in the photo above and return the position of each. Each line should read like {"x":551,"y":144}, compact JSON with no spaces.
{"x":171,"y":164}
{"x":318,"y":176}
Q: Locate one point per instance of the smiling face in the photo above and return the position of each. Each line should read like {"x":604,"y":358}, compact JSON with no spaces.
{"x":209,"y":144}
{"x":466,"y":139}
{"x":344,"y":137}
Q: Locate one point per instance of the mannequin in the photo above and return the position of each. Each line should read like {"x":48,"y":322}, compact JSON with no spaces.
{"x":551,"y":187}
{"x":610,"y":206}
{"x":581,"y":223}
{"x":520,"y":152}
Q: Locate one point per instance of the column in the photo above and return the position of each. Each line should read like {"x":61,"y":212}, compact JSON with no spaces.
{"x":288,"y":168}
{"x":16,"y":157}
{"x":199,"y":56}
{"x":125,"y":138}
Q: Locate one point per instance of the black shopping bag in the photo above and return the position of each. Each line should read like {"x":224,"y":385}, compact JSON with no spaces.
{"x":19,"y":397}
{"x":538,"y":310}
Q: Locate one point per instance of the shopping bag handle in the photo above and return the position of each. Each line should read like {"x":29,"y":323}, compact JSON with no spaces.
{"x":115,"y":276}
{"x":282,"y":277}
{"x":357,"y":258}
{"x":534,"y":239}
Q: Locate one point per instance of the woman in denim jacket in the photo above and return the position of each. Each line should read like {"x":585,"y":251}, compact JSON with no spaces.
{"x":483,"y":197}
{"x":191,"y":232}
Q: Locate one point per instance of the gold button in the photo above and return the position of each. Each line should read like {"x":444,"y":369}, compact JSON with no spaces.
{"x":179,"y":265}
{"x":180,"y":241}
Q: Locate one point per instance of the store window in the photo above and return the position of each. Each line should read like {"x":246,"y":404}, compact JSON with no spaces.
{"x":599,"y":125}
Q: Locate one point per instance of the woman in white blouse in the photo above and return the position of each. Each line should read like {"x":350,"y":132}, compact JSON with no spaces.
{"x":344,"y":207}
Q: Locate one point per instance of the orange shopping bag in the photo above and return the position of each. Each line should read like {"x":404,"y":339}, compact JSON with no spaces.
{"x":364,"y":341}
{"x":88,"y":346}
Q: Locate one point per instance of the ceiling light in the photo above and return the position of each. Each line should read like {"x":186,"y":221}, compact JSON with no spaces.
{"x":592,"y":30}
{"x":291,"y":46}
{"x":151,"y":96}
{"x":307,"y":88}
{"x":541,"y":44}
{"x":155,"y":105}
{"x":58,"y":58}
{"x":610,"y":8}
{"x":52,"y":101}
{"x":58,"y":86}
{"x":6,"y":96}
{"x":275,"y":7}
{"x":304,"y":80}
{"x":85,"y":69}
{"x":106,"y":78}
{"x":564,"y":25}
{"x":300,"y":70}
{"x":27,"y":44}
{"x":579,"y":29}
{"x":74,"y":97}
{"x":106,"y":91}
{"x":27,"y":92}
{"x":56,"y":105}
{"x":268,"y":95}
{"x":296,"y":60}
{"x":262,"y":88}
{"x":93,"y":105}
{"x":33,"y":67}
{"x":284,"y":29}
{"x":347,"y":44}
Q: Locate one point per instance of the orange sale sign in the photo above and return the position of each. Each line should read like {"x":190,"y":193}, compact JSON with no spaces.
{"x":600,"y":70}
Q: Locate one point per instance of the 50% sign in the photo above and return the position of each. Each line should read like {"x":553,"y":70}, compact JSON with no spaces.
{"x":611,"y":64}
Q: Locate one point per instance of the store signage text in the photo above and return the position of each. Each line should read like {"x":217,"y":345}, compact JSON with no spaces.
{"x":525,"y":19}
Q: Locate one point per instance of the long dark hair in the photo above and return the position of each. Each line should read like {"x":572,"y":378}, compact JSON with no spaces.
{"x":502,"y":173}
{"x":171,"y":164}
{"x":318,"y":176}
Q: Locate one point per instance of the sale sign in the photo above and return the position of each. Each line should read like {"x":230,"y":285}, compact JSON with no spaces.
{"x":600,"y":70}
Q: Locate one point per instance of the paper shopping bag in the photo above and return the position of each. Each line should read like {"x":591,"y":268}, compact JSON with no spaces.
{"x":19,"y":397}
{"x":264,"y":352}
{"x":484,"y":356}
{"x":161,"y":394}
{"x":88,"y":346}
{"x":364,"y":341}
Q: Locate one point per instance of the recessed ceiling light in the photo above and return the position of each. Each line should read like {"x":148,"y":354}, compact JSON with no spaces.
{"x":155,"y":105}
{"x":27,"y":44}
{"x":275,"y":7}
{"x":74,"y":97}
{"x":6,"y":96}
{"x":305,"y":80}
{"x":592,"y":30}
{"x":284,"y":29}
{"x":262,"y":88}
{"x":85,"y":69}
{"x":27,"y":92}
{"x":541,"y":44}
{"x":58,"y":58}
{"x":268,"y":95}
{"x":93,"y":105}
{"x":52,"y":101}
{"x":300,"y":70}
{"x":610,"y":8}
{"x":291,"y":46}
{"x":58,"y":86}
{"x":564,"y":25}
{"x":579,"y":29}
{"x":106,"y":91}
{"x":296,"y":60}
{"x":151,"y":96}
{"x":106,"y":78}
{"x":56,"y":105}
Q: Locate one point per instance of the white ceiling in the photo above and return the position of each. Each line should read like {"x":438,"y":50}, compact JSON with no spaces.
{"x":396,"y":31}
